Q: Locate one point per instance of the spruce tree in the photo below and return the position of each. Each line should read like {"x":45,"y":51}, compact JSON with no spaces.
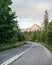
{"x":8,"y":26}
{"x":45,"y":19}
{"x":45,"y":26}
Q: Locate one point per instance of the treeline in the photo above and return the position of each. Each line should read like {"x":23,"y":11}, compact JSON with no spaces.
{"x":9,"y":30}
{"x":42,"y":35}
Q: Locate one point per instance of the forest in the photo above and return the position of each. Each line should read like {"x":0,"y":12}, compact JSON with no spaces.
{"x":10,"y":32}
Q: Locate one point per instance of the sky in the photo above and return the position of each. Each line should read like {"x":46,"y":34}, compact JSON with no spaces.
{"x":31,"y":12}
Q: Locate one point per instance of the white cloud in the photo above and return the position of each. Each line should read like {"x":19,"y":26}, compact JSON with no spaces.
{"x":32,"y":9}
{"x":26,"y":22}
{"x":27,"y":9}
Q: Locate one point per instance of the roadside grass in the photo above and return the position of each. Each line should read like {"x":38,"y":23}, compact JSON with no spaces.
{"x":49,"y":47}
{"x":7,"y":46}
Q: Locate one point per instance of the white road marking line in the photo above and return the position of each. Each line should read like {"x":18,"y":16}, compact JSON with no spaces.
{"x":15,"y":57}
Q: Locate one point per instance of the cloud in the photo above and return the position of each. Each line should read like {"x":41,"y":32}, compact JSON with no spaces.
{"x":27,"y":22}
{"x":31,"y":8}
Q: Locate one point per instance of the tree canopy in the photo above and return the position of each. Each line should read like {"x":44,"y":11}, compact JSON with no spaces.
{"x":9,"y":30}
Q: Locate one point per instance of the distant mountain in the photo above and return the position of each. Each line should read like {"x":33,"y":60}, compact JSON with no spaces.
{"x":33,"y":28}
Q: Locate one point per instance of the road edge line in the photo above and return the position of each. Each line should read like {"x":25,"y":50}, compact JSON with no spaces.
{"x":15,"y":57}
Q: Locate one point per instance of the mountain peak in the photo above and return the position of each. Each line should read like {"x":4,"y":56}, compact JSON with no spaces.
{"x":33,"y":28}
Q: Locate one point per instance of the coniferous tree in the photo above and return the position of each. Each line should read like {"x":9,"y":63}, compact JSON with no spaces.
{"x":8,"y":26}
{"x":49,"y":33}
{"x":45,"y":19}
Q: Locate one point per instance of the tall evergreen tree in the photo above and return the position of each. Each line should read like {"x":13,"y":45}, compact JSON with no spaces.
{"x":49,"y":33}
{"x":8,"y":26}
{"x":45,"y":19}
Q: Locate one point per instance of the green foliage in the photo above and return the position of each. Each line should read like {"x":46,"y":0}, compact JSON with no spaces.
{"x":27,"y":36}
{"x":21,"y":37}
{"x":4,"y":47}
{"x":30,"y":36}
{"x":7,"y":22}
{"x":34,"y":36}
{"x":40,"y":35}
{"x":9,"y":31}
{"x":44,"y":35}
{"x":49,"y":33}
{"x":45,"y":19}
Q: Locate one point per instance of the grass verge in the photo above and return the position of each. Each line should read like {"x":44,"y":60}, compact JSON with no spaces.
{"x":7,"y":46}
{"x":49,"y":47}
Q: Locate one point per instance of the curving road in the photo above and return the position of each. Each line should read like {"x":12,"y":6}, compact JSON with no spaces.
{"x":36,"y":54}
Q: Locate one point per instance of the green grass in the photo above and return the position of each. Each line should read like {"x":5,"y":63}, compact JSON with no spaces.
{"x":7,"y":46}
{"x":49,"y":47}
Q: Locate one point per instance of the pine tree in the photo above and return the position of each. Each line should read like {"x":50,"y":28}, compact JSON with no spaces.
{"x":45,"y":19}
{"x":8,"y":26}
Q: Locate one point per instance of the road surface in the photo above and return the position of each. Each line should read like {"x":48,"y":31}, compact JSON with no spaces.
{"x":32,"y":54}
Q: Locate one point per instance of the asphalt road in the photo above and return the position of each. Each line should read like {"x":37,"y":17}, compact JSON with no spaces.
{"x":36,"y":55}
{"x":5,"y":55}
